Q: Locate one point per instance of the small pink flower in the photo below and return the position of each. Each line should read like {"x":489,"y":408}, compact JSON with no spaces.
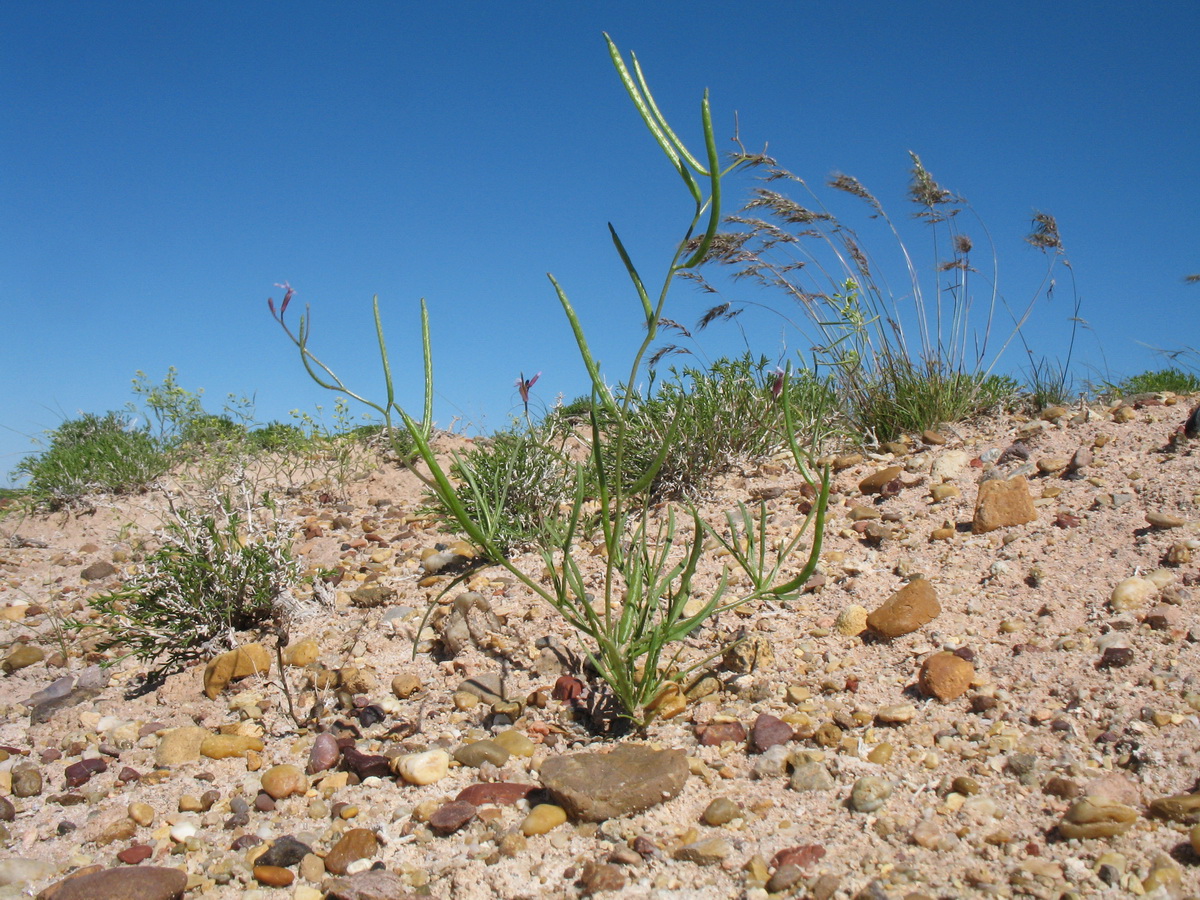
{"x":287,"y":298}
{"x":777,"y":383}
{"x":523,"y":385}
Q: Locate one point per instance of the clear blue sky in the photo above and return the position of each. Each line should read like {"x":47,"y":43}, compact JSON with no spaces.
{"x":162,"y":165}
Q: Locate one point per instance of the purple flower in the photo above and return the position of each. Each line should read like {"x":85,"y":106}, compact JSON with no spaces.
{"x":777,"y":383}
{"x":523,"y":385}
{"x":287,"y":298}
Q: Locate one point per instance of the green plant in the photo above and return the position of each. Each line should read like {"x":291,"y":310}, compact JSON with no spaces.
{"x":718,"y":414}
{"x":218,"y":572}
{"x":512,"y":484}
{"x":644,"y":610}
{"x":902,"y":361}
{"x":1170,"y":379}
{"x":92,"y":454}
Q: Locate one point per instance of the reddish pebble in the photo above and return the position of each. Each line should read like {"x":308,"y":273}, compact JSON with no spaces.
{"x":135,"y":854}
{"x":803,"y":855}
{"x":449,"y":817}
{"x":719,"y":732}
{"x":769,"y":731}
{"x":499,"y":793}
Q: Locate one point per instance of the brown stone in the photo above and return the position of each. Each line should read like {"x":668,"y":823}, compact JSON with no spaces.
{"x":250,"y":659}
{"x":875,"y":482}
{"x":1001,"y":504}
{"x":717,"y":733}
{"x":630,"y":778}
{"x":946,"y":676}
{"x":123,"y":883}
{"x":355,"y":844}
{"x":223,"y":746}
{"x":273,"y":876}
{"x":371,"y":885}
{"x":912,"y":606}
{"x":449,"y":817}
{"x":496,"y":793}
{"x":598,"y":876}
{"x":768,"y":731}
{"x":284,"y":781}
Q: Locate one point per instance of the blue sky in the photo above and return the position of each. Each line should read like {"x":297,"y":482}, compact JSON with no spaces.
{"x":163,"y":165}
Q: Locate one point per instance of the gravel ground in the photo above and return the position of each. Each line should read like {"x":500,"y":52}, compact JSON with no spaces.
{"x":890,"y":775}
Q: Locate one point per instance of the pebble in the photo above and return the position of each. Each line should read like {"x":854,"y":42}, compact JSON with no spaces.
{"x":177,"y":746}
{"x":899,"y":714}
{"x":543,"y":818}
{"x":26,"y":781}
{"x":249,"y":659}
{"x":714,"y":734}
{"x":123,"y":883}
{"x":405,"y":685}
{"x":1165,"y":520}
{"x":1001,"y":504}
{"x":1092,"y":817}
{"x":594,"y":786}
{"x":324,"y":753}
{"x":1132,"y":593}
{"x":477,"y":753}
{"x":945,"y":676}
{"x":516,"y":743}
{"x":223,"y":746}
{"x":283,"y":781}
{"x":710,"y":852}
{"x":495,"y":793}
{"x":911,"y":607}
{"x":869,"y":793}
{"x":21,"y":657}
{"x":811,"y":776}
{"x":422,"y":768}
{"x":355,"y":844}
{"x":284,"y":851}
{"x":597,"y":877}
{"x":720,"y":811}
{"x":769,"y":731}
{"x":131,"y":856}
{"x":450,"y":817}
{"x":877,"y":481}
{"x":273,"y":876}
{"x":851,"y":621}
{"x":1183,"y":808}
{"x":302,"y":654}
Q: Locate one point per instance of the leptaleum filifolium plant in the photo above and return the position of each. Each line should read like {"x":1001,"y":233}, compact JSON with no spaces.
{"x":637,"y":623}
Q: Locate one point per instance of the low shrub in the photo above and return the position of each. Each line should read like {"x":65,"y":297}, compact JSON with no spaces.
{"x":93,"y":454}
{"x":217,"y":573}
{"x":1175,"y":380}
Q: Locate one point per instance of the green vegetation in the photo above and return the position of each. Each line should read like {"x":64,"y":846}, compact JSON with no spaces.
{"x":93,"y":454}
{"x":1171,"y":379}
{"x":900,"y":361}
{"x":218,"y":572}
{"x":643,"y":610}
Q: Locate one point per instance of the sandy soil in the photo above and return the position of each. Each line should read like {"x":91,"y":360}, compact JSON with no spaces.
{"x":1069,"y":696}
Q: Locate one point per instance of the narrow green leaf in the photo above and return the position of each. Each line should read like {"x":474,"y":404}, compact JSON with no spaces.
{"x":635,"y":277}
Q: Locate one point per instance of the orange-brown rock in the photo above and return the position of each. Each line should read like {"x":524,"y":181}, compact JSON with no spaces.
{"x":874,"y":483}
{"x":1003,"y":503}
{"x":252,"y":659}
{"x":945,"y":676}
{"x":912,"y":606}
